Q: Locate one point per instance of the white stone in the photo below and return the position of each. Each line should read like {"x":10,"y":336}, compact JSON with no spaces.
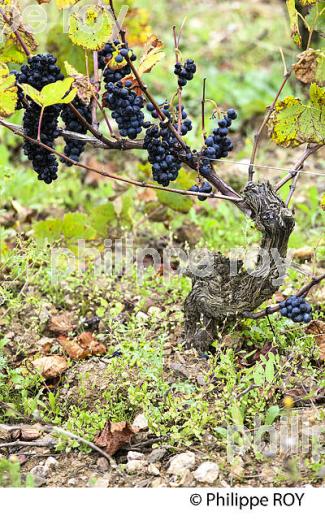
{"x":134,"y":455}
{"x":153,"y":470}
{"x":180,"y":463}
{"x":136,"y":466}
{"x":51,"y":463}
{"x":140,"y":422}
{"x":207,"y":472}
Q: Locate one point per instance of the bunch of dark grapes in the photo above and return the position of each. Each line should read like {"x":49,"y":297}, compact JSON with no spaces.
{"x":159,"y":141}
{"x":185,"y":72}
{"x":73,"y":147}
{"x":204,"y":188}
{"x":126,"y":108}
{"x":44,"y":162}
{"x":186,"y":123}
{"x":218,"y":144}
{"x":296,"y":309}
{"x":115,"y":73}
{"x":41,"y":70}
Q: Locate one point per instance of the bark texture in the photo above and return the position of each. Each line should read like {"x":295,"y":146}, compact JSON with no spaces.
{"x":222,"y":289}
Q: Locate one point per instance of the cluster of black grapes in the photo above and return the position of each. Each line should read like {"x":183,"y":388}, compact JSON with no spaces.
{"x":114,"y":74}
{"x":41,"y":70}
{"x":126,"y":108}
{"x":44,"y":162}
{"x":73,"y":147}
{"x":204,"y":188}
{"x":185,"y":72}
{"x":186,"y":123}
{"x":296,"y":309}
{"x":160,"y":142}
{"x":218,"y":144}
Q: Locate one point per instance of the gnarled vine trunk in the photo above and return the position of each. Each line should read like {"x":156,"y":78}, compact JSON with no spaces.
{"x":223,"y":289}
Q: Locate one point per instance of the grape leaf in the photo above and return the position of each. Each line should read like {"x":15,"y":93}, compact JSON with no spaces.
{"x":294,"y":22}
{"x":181,"y":203}
{"x":10,"y":53}
{"x":310,"y":67}
{"x":101,"y":216}
{"x":64,"y":4}
{"x":52,"y":94}
{"x":80,"y":82}
{"x":8,"y":95}
{"x":294,"y":123}
{"x":307,"y":2}
{"x":138,"y":26}
{"x":152,"y":54}
{"x":91,"y":31}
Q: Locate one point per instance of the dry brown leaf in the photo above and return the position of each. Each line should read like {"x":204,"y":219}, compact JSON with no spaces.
{"x":306,"y":67}
{"x":50,"y":366}
{"x":82,"y":347}
{"x":303,"y":254}
{"x":114,"y":436}
{"x":147,"y":195}
{"x":81,"y":83}
{"x":61,"y":323}
{"x":317,"y":329}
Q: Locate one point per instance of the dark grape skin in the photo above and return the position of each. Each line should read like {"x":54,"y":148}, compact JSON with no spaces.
{"x":296,"y":309}
{"x":41,"y":70}
{"x":185,"y":72}
{"x":74,"y":148}
{"x":204,"y":188}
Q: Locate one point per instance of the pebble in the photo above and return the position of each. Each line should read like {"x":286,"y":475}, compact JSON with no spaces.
{"x":140,"y":422}
{"x":50,"y":463}
{"x":136,"y":466}
{"x":157,"y":455}
{"x":180,"y":463}
{"x":158,"y":482}
{"x":153,"y":470}
{"x":135,"y":455}
{"x":39,"y":474}
{"x":102,"y":464}
{"x":101,"y":482}
{"x":207,"y":472}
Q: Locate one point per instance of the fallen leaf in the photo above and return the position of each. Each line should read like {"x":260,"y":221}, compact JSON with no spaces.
{"x":317,"y":329}
{"x":61,"y":323}
{"x":50,"y":366}
{"x":114,"y":436}
{"x":303,"y":254}
{"x":83,"y":346}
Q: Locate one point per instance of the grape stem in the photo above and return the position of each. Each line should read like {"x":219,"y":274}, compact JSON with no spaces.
{"x":275,"y":308}
{"x":16,"y":130}
{"x":179,"y":89}
{"x":39,"y":128}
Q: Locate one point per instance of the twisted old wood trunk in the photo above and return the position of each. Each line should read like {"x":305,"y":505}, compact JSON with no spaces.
{"x":222,"y":290}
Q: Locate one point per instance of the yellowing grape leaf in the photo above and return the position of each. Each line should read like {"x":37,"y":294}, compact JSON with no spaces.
{"x":52,"y":94}
{"x":310,"y":67}
{"x":80,"y":82}
{"x":152,"y":54}
{"x":294,"y":22}
{"x":8,"y":95}
{"x":307,"y":2}
{"x":139,"y":30}
{"x":14,"y":19}
{"x":294,"y":123}
{"x":92,"y":29}
{"x":10,"y":53}
{"x":4,"y":71}
{"x":64,"y":4}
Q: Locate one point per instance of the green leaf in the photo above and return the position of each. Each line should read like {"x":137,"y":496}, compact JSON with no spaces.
{"x":52,"y":94}
{"x":294,"y":123}
{"x":258,"y":375}
{"x":76,"y":226}
{"x":269,"y":370}
{"x":91,"y":30}
{"x":10,"y":53}
{"x":236,"y":415}
{"x":101,"y":216}
{"x":50,"y":229}
{"x":8,"y":95}
{"x":272,"y":413}
{"x":175,"y":201}
{"x":294,"y":22}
